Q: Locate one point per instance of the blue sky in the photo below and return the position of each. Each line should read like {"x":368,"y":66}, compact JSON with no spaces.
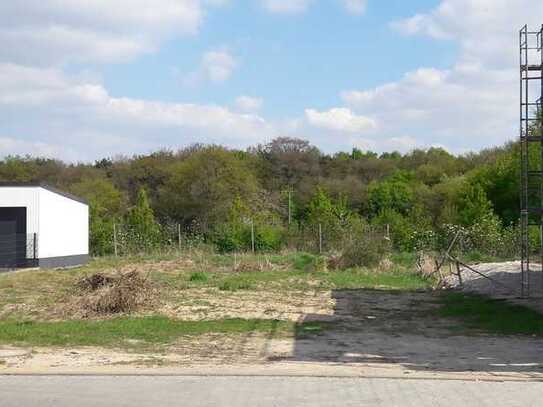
{"x":84,"y":79}
{"x":292,"y":61}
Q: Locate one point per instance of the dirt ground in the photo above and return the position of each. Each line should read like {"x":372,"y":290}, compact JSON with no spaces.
{"x":369,"y":332}
{"x":503,"y":280}
{"x":211,"y":303}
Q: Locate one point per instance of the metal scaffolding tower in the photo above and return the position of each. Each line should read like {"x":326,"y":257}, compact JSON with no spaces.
{"x":531,"y":153}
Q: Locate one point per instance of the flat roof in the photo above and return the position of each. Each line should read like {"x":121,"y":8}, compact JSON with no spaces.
{"x":44,"y":186}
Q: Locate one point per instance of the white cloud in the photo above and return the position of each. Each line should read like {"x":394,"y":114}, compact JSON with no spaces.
{"x":355,"y":6}
{"x":464,"y":106}
{"x":340,"y":120}
{"x":13,"y":146}
{"x":472,"y":104}
{"x":402,"y":144}
{"x":286,"y":6}
{"x":216,"y":67}
{"x":487,"y":30}
{"x":43,"y":109}
{"x":248,"y":103}
{"x":56,"y":31}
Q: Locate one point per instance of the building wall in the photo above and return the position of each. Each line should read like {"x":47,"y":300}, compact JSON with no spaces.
{"x":23,"y":197}
{"x":63,"y":226}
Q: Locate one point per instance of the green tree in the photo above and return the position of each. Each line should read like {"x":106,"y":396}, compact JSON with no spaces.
{"x":203,"y":186}
{"x":474,"y":205}
{"x":141,"y":221}
{"x":400,"y":228}
{"x":321,"y":209}
{"x":105,"y":207}
{"x":394,"y":192}
{"x":500,"y":180}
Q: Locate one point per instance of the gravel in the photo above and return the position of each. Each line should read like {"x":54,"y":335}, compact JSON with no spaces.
{"x":502,"y":280}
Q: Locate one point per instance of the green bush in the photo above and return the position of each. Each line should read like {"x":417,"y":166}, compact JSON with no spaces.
{"x":101,"y":236}
{"x":366,"y":251}
{"x":268,"y":238}
{"x":235,"y":237}
{"x":199,"y":277}
{"x":401,"y":230}
{"x":309,"y":262}
{"x":228,"y":238}
{"x":235,"y":283}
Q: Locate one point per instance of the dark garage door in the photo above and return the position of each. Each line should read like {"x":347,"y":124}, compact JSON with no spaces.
{"x":13,"y":237}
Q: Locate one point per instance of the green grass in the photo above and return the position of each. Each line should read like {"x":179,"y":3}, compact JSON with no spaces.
{"x":199,"y":276}
{"x":492,"y":316}
{"x":308,"y":262}
{"x":310,"y":328}
{"x":404,"y":259}
{"x":237,"y":282}
{"x":132,"y":332}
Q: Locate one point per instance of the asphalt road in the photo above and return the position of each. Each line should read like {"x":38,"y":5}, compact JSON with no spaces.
{"x":98,"y":391}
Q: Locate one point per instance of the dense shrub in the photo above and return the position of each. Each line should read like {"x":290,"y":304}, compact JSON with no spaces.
{"x":366,"y":251}
{"x":269,"y":237}
{"x":309,"y":262}
{"x":401,"y":231}
{"x":233,"y":237}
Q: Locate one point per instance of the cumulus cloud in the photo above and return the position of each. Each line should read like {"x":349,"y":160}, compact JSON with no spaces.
{"x":248,"y":103}
{"x":43,"y":110}
{"x":47,"y":109}
{"x":471,"y":105}
{"x":486,"y":30}
{"x":339,"y":120}
{"x":54,"y":31}
{"x":215,"y":67}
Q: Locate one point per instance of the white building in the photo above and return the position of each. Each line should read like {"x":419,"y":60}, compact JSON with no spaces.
{"x":42,"y":227}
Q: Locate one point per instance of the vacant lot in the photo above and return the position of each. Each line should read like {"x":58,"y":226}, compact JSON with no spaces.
{"x":287,"y":311}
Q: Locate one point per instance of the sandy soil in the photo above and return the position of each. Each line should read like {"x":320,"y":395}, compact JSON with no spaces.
{"x":370,"y":333}
{"x":504,"y":281}
{"x":212,"y":303}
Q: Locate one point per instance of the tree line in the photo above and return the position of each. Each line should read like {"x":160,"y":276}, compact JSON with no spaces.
{"x":287,"y":186}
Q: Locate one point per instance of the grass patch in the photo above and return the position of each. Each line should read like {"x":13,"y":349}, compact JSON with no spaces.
{"x":129,"y":332}
{"x":236,"y":283}
{"x":492,"y":316}
{"x":309,"y":328}
{"x":199,"y":277}
{"x":308,"y":262}
{"x":404,"y":259}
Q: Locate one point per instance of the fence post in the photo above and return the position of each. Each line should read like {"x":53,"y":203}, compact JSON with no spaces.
{"x":35,"y":242}
{"x":253,"y":235}
{"x":115,"y":239}
{"x":320,"y":238}
{"x":289,"y":206}
{"x":179,"y":235}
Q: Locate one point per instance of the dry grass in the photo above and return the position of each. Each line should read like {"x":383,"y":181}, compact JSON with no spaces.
{"x":192,"y":286}
{"x":121,"y":293}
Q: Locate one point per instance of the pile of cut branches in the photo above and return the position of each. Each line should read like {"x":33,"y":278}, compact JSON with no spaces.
{"x":108,"y":294}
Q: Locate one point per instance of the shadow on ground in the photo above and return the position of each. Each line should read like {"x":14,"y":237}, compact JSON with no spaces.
{"x":402,"y":329}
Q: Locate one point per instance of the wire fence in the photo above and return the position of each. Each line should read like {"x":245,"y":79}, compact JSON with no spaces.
{"x":125,"y":240}
{"x":18,"y":250}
